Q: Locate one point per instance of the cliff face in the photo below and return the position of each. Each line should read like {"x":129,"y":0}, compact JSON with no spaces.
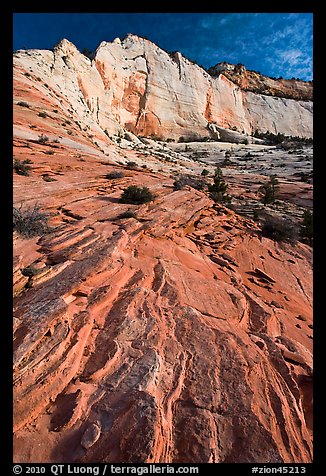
{"x":255,"y":82}
{"x":135,"y":85}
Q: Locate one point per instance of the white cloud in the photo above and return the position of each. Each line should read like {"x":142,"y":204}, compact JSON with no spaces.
{"x":276,"y":44}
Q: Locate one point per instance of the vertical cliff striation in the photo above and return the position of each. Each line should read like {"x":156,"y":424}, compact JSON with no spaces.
{"x":135,"y":85}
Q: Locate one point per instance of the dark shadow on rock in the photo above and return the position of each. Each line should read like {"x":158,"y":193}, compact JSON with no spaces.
{"x":109,"y":199}
{"x":69,"y":449}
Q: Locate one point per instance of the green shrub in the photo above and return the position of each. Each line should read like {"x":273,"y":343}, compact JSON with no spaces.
{"x":204,"y":173}
{"x":226,"y":162}
{"x":278,"y":229}
{"x":136,"y":195}
{"x":276,"y":139}
{"x":22,"y":167}
{"x":305,"y":177}
{"x":306,"y":227}
{"x":23,"y":104}
{"x":42,"y":139}
{"x":30,"y":222}
{"x":31,"y":271}
{"x":193,"y":138}
{"x":115,"y":174}
{"x":255,"y":215}
{"x":184,"y":179}
{"x":48,"y":178}
{"x":88,"y":53}
{"x":131,"y":164}
{"x":43,"y":114}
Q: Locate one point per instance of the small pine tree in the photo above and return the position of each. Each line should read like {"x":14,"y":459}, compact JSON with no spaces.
{"x":274,"y":184}
{"x":269,"y":190}
{"x":204,"y":173}
{"x":217,"y":191}
{"x":306,"y":227}
{"x":267,"y":193}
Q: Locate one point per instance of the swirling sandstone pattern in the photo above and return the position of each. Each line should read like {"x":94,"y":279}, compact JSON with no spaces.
{"x":166,"y":337}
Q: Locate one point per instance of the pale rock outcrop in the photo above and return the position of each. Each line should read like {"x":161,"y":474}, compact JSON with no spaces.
{"x":254,"y":81}
{"x":133,"y":84}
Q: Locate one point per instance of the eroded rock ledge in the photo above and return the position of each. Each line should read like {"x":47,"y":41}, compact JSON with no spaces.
{"x":171,"y":339}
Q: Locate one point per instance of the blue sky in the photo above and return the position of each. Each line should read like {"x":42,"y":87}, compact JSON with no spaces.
{"x":276,"y":44}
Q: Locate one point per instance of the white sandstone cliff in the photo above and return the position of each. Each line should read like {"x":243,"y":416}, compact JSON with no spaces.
{"x":134,"y":85}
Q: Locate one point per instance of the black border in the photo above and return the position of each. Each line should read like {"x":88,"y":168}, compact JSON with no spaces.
{"x":6,"y":190}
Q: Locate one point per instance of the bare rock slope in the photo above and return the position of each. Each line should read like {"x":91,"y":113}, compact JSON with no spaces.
{"x":176,"y":335}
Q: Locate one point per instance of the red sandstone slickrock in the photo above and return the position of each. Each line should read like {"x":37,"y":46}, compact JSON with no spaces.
{"x":179,"y":335}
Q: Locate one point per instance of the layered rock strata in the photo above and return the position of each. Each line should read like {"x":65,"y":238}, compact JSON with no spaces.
{"x":134,"y":85}
{"x":179,"y":336}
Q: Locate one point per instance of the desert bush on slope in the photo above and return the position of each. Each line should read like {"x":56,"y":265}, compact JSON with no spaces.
{"x":30,"y":222}
{"x":136,"y":195}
